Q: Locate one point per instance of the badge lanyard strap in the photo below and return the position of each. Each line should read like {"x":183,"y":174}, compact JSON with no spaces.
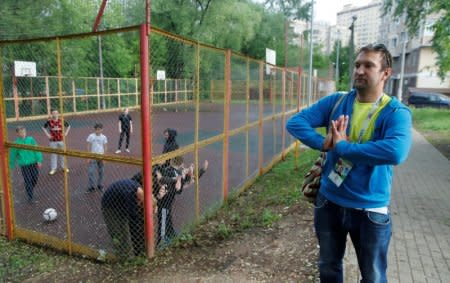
{"x":369,"y":116}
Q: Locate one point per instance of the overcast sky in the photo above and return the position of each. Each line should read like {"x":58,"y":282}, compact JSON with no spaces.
{"x":326,"y":10}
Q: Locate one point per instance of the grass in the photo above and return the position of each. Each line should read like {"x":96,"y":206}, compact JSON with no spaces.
{"x":18,"y":259}
{"x":429,"y":119}
{"x":262,"y":205}
{"x":434,"y":124}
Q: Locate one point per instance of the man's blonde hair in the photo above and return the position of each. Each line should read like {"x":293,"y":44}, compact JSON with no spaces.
{"x":177,"y":160}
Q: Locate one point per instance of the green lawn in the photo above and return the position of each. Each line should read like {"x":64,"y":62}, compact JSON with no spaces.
{"x":434,"y":124}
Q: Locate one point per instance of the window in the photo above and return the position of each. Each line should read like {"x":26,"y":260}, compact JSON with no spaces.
{"x":394,"y":42}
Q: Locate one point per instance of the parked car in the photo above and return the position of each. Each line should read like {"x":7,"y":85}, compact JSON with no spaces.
{"x":428,"y":99}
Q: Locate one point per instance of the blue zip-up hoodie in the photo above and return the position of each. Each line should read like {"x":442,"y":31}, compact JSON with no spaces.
{"x":368,"y":184}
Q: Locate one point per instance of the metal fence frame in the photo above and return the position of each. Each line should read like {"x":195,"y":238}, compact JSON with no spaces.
{"x":290,"y":88}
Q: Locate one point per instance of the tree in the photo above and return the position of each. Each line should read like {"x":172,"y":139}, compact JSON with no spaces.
{"x":343,"y":81}
{"x":416,"y":12}
{"x":291,"y":9}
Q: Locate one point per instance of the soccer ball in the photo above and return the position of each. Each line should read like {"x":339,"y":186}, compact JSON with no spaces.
{"x":50,"y":214}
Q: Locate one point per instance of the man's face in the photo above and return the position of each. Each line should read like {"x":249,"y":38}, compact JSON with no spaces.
{"x":22,"y":133}
{"x":98,"y":131}
{"x":166,"y":135}
{"x":367,"y":73}
{"x":55,"y":115}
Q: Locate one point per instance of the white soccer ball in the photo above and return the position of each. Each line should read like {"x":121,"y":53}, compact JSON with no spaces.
{"x":50,"y":214}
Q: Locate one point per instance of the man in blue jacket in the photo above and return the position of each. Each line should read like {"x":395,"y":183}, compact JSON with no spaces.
{"x":368,"y":134}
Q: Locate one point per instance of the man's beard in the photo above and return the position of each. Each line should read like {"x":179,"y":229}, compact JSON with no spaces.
{"x":360,"y":84}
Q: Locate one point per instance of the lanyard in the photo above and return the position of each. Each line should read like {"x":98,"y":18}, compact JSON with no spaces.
{"x":369,"y":116}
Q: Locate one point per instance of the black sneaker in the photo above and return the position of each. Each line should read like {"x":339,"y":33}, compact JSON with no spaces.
{"x":100,"y":188}
{"x":90,"y":190}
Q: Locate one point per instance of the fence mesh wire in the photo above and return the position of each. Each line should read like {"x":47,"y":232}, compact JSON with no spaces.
{"x":217,"y":122}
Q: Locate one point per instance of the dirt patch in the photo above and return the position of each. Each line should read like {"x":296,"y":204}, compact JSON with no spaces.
{"x":285,"y":251}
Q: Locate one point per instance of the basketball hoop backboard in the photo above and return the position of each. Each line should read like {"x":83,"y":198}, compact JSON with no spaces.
{"x":271,"y":58}
{"x":24,"y":69}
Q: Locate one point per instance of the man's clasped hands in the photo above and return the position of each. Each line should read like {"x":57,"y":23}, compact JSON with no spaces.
{"x":336,"y":133}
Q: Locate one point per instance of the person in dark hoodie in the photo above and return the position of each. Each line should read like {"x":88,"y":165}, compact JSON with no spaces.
{"x":170,"y":144}
{"x":170,"y":182}
{"x":122,"y":209}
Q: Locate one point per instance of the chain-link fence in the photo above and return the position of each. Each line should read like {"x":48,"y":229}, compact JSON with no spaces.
{"x":75,"y":136}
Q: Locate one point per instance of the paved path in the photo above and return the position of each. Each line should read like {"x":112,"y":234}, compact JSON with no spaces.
{"x":420,"y":245}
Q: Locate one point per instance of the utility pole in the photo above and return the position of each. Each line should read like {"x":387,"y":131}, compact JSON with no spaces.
{"x":285,"y":42}
{"x":311,"y":54}
{"x":337,"y":59}
{"x":351,"y":51}
{"x":100,"y":62}
{"x":402,"y":69}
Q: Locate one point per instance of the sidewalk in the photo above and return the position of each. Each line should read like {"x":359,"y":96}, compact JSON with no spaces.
{"x":420,"y":207}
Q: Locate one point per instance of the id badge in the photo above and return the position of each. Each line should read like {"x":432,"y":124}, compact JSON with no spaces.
{"x":341,"y":170}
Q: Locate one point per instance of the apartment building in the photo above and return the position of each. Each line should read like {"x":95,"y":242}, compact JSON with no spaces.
{"x":420,"y":70}
{"x":366,"y":25}
{"x":321,"y":34}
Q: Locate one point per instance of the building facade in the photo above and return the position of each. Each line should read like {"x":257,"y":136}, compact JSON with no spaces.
{"x":420,"y":69}
{"x":367,"y":23}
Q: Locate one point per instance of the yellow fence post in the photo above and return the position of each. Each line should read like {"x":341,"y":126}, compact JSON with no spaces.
{"x":226,"y":122}
{"x":61,"y":110}
{"x":247,"y":113}
{"x":273,"y":100}
{"x":260,"y":122}
{"x":74,"y":99}
{"x":119,"y":104}
{"x":47,"y":96}
{"x":196,"y":128}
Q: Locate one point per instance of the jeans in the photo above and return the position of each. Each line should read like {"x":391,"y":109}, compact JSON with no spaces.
{"x":370,"y":233}
{"x":95,"y":165}
{"x":125,"y":133}
{"x":127,"y":233}
{"x":30,"y":175}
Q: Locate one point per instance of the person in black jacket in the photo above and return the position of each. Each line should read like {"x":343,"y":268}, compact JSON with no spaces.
{"x":122,"y":209}
{"x":170,"y":144}
{"x":125,"y":125}
{"x":170,"y":182}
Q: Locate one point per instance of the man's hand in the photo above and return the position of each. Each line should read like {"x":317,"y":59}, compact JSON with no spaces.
{"x":158,"y":175}
{"x":178,"y":183}
{"x":330,"y":141}
{"x":162,"y":191}
{"x":339,"y":128}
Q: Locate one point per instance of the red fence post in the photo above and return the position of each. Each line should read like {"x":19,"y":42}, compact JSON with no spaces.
{"x":146,"y":110}
{"x":283,"y":116}
{"x":4,"y":162}
{"x":260,"y":122}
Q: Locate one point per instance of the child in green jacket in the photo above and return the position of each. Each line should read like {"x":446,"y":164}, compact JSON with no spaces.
{"x":29,"y":161}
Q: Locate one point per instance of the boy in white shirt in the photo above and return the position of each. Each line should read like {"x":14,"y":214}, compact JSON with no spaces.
{"x":96,"y":143}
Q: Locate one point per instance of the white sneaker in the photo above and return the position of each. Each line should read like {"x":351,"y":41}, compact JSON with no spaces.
{"x":127,"y":150}
{"x":118,"y":151}
{"x":52,"y":172}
